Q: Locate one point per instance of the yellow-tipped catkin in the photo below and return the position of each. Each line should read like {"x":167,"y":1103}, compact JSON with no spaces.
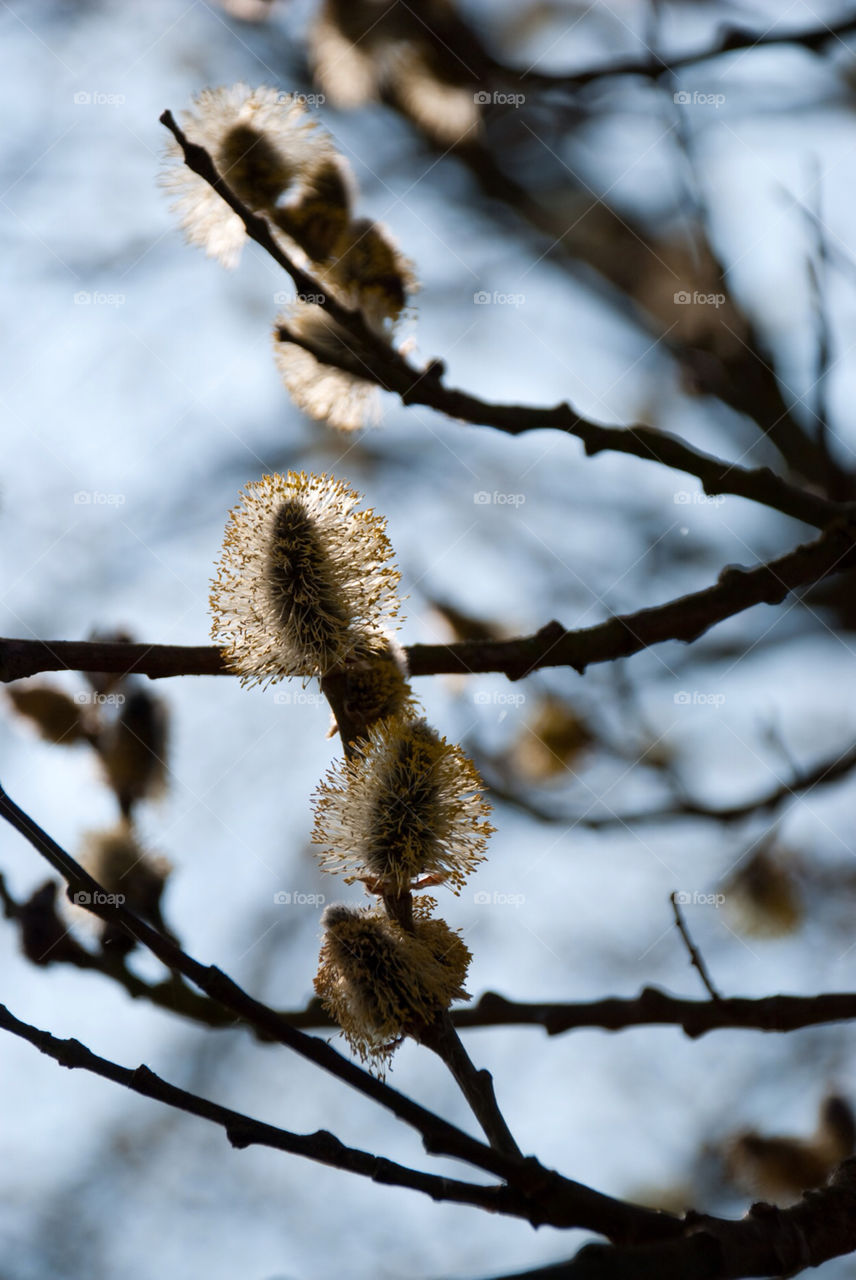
{"x":305,"y":580}
{"x":380,"y":982}
{"x":262,"y":143}
{"x":408,"y":804}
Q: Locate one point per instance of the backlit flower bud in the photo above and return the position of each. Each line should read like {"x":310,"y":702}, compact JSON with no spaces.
{"x":262,"y":144}
{"x":304,"y":582}
{"x":407,"y":805}
{"x":380,"y":982}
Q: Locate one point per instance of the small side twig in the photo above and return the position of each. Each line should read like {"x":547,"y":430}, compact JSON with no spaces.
{"x":696,"y":959}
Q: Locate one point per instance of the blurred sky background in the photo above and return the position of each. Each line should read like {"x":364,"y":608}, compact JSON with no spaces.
{"x":159,"y":398}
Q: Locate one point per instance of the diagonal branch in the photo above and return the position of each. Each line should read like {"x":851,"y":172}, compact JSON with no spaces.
{"x":244,"y":1131}
{"x":766,"y":1242}
{"x":389,"y":368}
{"x":554,"y":1199}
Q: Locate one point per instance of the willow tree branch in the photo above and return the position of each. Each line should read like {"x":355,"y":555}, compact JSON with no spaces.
{"x":476,"y":1085}
{"x":685,"y":619}
{"x":653,"y":1007}
{"x":553,"y":1199}
{"x":382,"y":363}
{"x":243,"y":1131}
{"x":833,"y":769}
{"x":732,"y":39}
{"x":766,"y":1242}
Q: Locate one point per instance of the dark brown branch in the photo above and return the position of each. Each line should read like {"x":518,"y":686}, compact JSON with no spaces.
{"x":826,"y":771}
{"x":766,"y":1242}
{"x":685,"y":619}
{"x":385,"y":365}
{"x":476,"y":1085}
{"x":758,"y":484}
{"x":652,"y":1007}
{"x":696,"y":959}
{"x":244,"y":1131}
{"x":731,"y":40}
{"x":779,"y":1013}
{"x":554,"y":1199}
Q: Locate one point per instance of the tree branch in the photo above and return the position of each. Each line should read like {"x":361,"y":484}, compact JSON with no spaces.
{"x":554,"y":1199}
{"x":685,"y":619}
{"x":766,"y":1242}
{"x":243,"y":1131}
{"x":389,"y":368}
{"x":651,"y":66}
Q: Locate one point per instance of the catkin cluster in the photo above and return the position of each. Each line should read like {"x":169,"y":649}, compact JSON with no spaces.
{"x":305,"y":587}
{"x":283,"y":166}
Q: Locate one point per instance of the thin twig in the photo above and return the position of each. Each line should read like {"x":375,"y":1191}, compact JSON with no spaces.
{"x":696,"y":959}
